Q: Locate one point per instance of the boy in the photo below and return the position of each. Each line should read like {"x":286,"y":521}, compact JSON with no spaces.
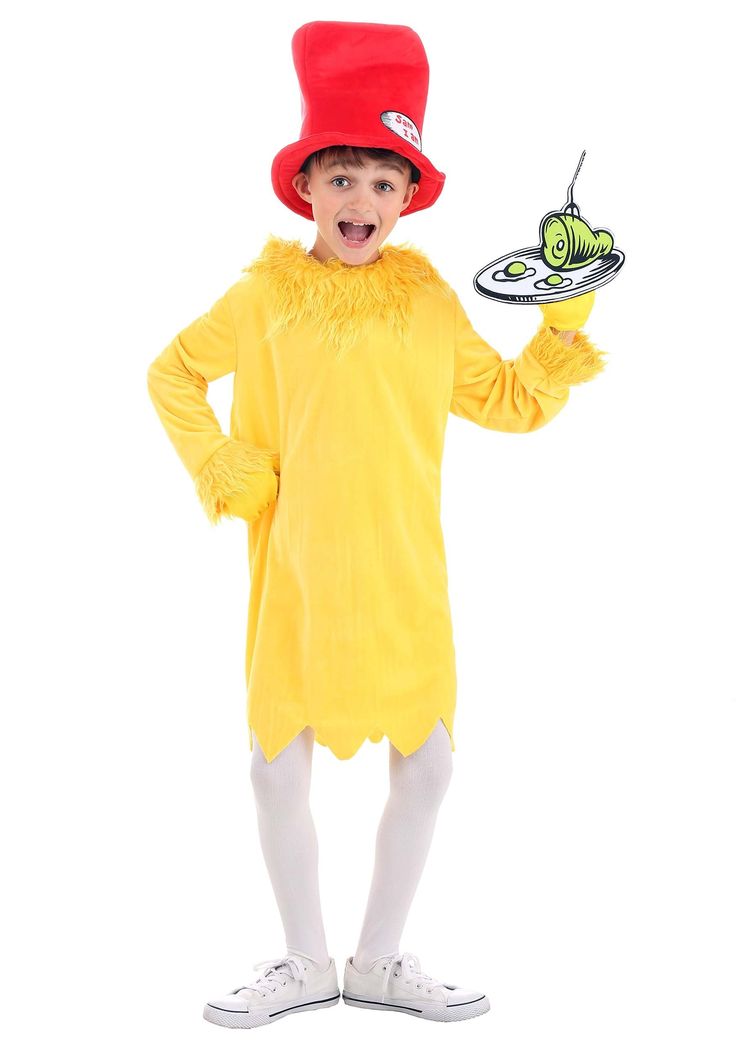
{"x":347,"y":359}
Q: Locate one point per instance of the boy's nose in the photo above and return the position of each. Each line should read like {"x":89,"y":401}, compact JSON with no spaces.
{"x":360,"y":204}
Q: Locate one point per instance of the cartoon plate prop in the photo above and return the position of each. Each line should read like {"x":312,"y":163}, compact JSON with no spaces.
{"x":570,"y":259}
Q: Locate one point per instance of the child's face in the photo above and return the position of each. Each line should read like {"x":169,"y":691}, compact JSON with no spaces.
{"x":376,"y":194}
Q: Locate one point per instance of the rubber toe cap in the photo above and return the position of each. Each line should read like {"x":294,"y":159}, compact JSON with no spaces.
{"x":229,"y":1003}
{"x":459,"y":995}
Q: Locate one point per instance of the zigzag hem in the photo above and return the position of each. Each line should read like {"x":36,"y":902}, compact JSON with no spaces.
{"x":347,"y":750}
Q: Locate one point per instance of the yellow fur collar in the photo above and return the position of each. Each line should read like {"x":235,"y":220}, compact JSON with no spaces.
{"x":340,"y":298}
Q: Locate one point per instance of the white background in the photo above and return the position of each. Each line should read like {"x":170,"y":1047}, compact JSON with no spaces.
{"x":582,"y":870}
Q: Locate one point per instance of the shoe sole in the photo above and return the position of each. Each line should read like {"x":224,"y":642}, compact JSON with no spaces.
{"x":430,"y":1012}
{"x":252,"y":1019}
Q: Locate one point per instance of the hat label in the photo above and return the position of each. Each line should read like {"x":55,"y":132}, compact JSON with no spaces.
{"x":402,"y":126}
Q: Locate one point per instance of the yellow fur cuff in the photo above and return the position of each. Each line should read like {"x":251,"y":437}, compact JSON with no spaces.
{"x":244,"y":472}
{"x":566,"y":364}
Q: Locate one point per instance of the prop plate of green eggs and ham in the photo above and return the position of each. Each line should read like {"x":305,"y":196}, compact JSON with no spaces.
{"x":570,"y":259}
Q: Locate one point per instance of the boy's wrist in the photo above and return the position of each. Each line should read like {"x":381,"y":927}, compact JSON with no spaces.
{"x":566,"y":336}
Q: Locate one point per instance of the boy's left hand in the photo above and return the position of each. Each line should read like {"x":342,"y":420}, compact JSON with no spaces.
{"x":568,"y":314}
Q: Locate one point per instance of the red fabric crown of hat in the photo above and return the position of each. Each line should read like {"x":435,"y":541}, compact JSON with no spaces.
{"x":362,"y":84}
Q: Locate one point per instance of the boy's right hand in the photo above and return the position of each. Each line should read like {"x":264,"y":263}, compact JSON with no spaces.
{"x":263,"y":487}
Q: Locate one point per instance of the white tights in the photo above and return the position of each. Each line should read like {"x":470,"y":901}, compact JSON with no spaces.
{"x":418,"y":783}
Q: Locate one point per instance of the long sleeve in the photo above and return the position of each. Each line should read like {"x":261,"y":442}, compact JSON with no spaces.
{"x":522,"y":394}
{"x":178,"y":381}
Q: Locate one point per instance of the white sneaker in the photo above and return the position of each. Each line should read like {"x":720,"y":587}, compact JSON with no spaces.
{"x":289,"y":984}
{"x":396,"y":983}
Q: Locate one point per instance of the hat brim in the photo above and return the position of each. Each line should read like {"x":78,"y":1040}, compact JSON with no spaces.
{"x":289,"y":160}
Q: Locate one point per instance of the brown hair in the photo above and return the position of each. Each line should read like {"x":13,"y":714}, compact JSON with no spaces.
{"x":358,"y":155}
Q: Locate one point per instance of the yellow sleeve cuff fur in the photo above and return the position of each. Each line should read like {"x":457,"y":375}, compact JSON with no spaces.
{"x":244,"y":474}
{"x":550,"y":360}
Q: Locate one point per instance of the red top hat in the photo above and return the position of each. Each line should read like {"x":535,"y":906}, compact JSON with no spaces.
{"x":362,"y":84}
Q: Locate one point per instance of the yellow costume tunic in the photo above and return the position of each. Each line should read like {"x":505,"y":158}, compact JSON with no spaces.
{"x":343,"y":380}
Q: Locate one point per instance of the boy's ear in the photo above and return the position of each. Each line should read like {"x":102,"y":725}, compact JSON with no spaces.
{"x":301,"y":185}
{"x":410,"y":191}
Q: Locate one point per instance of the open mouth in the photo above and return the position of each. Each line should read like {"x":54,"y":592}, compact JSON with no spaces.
{"x":356,"y":235}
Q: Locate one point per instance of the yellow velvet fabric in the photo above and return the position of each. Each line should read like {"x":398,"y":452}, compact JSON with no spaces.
{"x":343,"y":380}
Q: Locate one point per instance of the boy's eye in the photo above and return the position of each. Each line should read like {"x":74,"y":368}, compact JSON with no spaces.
{"x":343,"y":178}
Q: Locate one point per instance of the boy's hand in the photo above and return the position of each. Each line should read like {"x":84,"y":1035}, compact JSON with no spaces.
{"x":568,"y":314}
{"x":263,"y":487}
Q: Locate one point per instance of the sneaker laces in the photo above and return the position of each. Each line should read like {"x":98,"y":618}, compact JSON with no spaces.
{"x":277,"y":972}
{"x":408,"y":964}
